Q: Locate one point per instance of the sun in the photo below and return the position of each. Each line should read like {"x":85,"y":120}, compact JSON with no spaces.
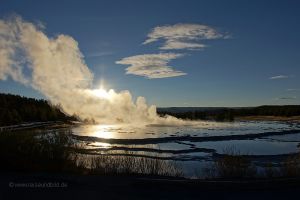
{"x":101,"y":93}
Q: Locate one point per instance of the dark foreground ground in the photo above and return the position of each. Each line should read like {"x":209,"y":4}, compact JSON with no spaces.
{"x":56,"y":186}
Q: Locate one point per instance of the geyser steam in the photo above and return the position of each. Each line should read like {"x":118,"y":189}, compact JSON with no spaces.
{"x":57,"y":69}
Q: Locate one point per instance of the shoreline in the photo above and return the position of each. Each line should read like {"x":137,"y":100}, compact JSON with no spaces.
{"x":59,"y":124}
{"x":36,"y":125}
{"x":269,"y":118}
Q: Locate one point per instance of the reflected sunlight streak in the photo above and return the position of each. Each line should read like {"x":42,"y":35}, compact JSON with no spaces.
{"x":103,"y":131}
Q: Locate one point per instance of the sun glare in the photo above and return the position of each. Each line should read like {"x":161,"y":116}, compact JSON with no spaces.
{"x":101,"y":93}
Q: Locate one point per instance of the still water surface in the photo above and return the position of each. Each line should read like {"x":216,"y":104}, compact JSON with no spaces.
{"x":177,"y":143}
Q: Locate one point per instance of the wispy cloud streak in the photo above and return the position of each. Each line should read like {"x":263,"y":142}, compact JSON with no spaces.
{"x":286,"y":98}
{"x":151,"y":65}
{"x":183,"y":36}
{"x":293,"y":89}
{"x":279,"y":77}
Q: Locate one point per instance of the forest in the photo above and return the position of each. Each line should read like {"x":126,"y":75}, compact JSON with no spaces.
{"x":15,"y":109}
{"x":228,"y":114}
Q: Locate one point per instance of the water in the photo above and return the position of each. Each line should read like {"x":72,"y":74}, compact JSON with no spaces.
{"x":200,"y":129}
{"x":192,"y":146}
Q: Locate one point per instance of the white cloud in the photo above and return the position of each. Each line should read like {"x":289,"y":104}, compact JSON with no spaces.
{"x":178,"y":36}
{"x":183,"y":36}
{"x":170,"y":44}
{"x":151,"y":65}
{"x":9,"y":48}
{"x":279,"y":77}
{"x":293,"y":89}
{"x":286,"y":98}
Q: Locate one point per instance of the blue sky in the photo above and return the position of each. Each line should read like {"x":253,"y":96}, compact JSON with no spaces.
{"x":260,"y":40}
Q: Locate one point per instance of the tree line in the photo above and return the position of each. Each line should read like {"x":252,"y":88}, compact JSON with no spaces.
{"x":15,"y":109}
{"x":228,"y":114}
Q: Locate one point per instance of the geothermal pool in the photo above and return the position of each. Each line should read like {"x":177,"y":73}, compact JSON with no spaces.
{"x":192,"y":146}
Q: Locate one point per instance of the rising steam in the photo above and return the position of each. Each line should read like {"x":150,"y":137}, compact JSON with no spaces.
{"x":55,"y":67}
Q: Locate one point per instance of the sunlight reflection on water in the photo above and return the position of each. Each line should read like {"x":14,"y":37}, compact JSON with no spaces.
{"x":188,"y":153}
{"x":203,"y":128}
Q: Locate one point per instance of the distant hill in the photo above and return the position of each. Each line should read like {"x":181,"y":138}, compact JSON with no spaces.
{"x":15,"y":109}
{"x":228,"y":114}
{"x":193,"y":109}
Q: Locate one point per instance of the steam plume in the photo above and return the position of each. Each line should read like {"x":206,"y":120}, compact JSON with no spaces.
{"x":57,"y":69}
